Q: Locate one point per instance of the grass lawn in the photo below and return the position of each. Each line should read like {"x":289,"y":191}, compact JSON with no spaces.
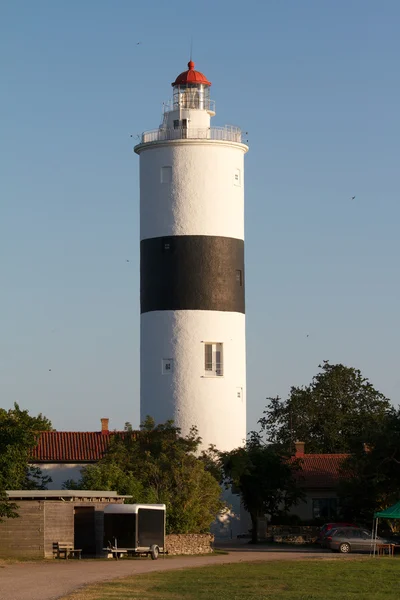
{"x":375,"y":579}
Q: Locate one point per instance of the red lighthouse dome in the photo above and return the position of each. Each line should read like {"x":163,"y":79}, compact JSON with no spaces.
{"x":191,"y":77}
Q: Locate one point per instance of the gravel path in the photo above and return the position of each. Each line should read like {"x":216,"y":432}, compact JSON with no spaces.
{"x":53,"y":579}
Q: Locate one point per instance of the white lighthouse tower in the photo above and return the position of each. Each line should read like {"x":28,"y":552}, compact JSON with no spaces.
{"x":193,"y":355}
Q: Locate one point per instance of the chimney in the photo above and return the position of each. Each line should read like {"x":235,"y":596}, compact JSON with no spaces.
{"x":104,"y":425}
{"x":299,"y":449}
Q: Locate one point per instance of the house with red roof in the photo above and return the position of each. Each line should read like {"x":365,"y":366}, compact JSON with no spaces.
{"x":62,"y":455}
{"x":319,"y":477}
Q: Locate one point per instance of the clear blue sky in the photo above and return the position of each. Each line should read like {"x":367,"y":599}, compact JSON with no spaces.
{"x":315,"y":83}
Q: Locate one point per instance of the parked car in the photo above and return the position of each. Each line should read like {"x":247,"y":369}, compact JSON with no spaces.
{"x":348,"y":539}
{"x":327,"y":528}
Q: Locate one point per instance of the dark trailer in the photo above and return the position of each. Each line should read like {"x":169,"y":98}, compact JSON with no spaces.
{"x":135,"y":529}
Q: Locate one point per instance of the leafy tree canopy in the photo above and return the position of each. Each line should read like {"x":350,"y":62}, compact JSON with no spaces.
{"x":18,"y":436}
{"x":158,"y":465}
{"x":339,"y":408}
{"x":265,"y":476}
{"x":372,"y":473}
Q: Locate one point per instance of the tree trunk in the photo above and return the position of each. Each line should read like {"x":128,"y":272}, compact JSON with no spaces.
{"x":254,"y":528}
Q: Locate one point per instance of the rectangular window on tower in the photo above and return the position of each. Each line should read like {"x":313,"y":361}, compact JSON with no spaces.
{"x":166,"y":174}
{"x":167,"y":366}
{"x":237,"y":180}
{"x":167,"y":244}
{"x":213,"y":360}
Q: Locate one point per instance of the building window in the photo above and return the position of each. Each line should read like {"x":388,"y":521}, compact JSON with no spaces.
{"x":213,"y":360}
{"x":167,"y":244}
{"x":182,"y":123}
{"x":167,"y":366}
{"x":239,"y":277}
{"x":239,"y":393}
{"x":325,"y":508}
{"x":166,"y":174}
{"x":237,"y":180}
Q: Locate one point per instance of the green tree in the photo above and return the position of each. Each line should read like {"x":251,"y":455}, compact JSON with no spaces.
{"x":265,"y":476}
{"x":339,"y":408}
{"x":19,"y":433}
{"x":8,"y":509}
{"x":372,"y":473}
{"x":159,"y":465}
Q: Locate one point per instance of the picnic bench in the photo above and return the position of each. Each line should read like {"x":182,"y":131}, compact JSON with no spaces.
{"x":385,"y":549}
{"x":65,"y":550}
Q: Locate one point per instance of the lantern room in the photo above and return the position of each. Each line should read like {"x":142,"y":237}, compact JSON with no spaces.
{"x":191,"y":90}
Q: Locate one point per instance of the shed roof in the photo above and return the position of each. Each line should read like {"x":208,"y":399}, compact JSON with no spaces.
{"x":62,"y":494}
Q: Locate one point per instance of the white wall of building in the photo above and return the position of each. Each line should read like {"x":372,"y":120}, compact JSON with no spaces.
{"x":186,"y":394}
{"x":205,"y":195}
{"x":60,"y":472}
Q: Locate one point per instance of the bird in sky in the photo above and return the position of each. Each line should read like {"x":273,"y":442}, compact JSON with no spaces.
{"x":137,"y":43}
{"x":127,"y":260}
{"x":353,"y":197}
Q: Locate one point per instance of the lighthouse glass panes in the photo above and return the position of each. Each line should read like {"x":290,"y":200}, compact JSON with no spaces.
{"x":192,"y":96}
{"x":213,"y":360}
{"x":192,"y":278}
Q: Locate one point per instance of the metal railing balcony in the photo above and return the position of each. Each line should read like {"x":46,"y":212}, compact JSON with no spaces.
{"x":227,"y":134}
{"x":202,"y":103}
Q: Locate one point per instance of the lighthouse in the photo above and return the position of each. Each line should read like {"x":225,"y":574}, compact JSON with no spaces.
{"x":192,"y":292}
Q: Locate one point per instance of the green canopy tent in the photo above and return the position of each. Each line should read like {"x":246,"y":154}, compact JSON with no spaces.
{"x":393,"y":512}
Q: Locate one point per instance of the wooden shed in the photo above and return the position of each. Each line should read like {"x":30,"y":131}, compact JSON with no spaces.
{"x":50,"y":516}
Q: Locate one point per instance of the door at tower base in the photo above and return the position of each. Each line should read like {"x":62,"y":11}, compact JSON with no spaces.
{"x":193,"y":370}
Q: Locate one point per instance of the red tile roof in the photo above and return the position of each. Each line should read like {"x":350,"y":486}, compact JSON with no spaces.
{"x":72,"y":446}
{"x":321,"y":470}
{"x":318,"y":470}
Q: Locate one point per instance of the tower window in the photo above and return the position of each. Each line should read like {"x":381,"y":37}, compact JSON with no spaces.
{"x":167,"y":244}
{"x":237,"y":180}
{"x":213,"y":360}
{"x":166,"y":174}
{"x":176,"y":123}
{"x":239,"y":279}
{"x":167,"y":366}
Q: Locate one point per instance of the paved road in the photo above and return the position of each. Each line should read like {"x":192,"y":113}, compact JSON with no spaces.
{"x":53,"y":579}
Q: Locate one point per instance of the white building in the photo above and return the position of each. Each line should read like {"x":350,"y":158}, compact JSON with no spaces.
{"x":193,"y":360}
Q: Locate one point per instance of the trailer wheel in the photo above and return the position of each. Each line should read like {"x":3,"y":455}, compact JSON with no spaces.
{"x":154,"y":552}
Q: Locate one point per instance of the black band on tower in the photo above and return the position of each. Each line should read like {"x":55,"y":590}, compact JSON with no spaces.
{"x":192,"y":272}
